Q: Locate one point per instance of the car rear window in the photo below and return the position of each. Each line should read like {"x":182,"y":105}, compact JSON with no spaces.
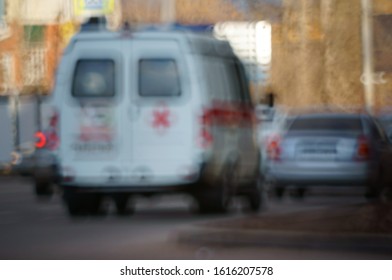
{"x":323,"y":123}
{"x":94,"y":78}
{"x":159,"y":77}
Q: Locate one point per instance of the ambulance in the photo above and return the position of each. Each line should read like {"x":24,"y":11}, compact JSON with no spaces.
{"x":152,"y":112}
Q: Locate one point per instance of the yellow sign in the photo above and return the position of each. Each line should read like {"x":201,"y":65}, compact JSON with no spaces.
{"x":96,"y":7}
{"x":67,"y":30}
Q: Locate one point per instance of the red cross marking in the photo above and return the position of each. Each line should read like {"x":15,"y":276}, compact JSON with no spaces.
{"x":161,"y":119}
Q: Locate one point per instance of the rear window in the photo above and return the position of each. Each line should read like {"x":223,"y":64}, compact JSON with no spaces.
{"x":159,"y":77}
{"x":94,"y":78}
{"x":322,"y":123}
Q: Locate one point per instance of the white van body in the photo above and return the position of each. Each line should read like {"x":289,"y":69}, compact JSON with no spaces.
{"x":152,"y":112}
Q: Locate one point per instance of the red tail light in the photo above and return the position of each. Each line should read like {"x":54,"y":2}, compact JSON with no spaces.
{"x":223,"y":114}
{"x":53,"y":140}
{"x":49,"y":138}
{"x":40,"y":140}
{"x":363,"y":148}
{"x":274,"y":148}
{"x":205,"y":135}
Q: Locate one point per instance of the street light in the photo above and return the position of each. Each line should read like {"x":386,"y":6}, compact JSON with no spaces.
{"x":168,"y":11}
{"x":367,"y":50}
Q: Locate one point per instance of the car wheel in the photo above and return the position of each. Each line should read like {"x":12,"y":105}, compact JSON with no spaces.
{"x":377,"y":188}
{"x":123,"y":207}
{"x":43,"y":188}
{"x":82,"y":204}
{"x":382,"y":194}
{"x":43,"y":184}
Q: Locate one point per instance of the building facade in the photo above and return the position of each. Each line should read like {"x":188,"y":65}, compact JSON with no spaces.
{"x":33,"y":34}
{"x":318,"y":54}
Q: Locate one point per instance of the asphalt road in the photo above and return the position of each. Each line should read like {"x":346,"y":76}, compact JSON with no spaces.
{"x":36,"y":229}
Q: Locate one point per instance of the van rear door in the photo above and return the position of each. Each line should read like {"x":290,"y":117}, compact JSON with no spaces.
{"x":91,"y":112}
{"x":161,"y":112}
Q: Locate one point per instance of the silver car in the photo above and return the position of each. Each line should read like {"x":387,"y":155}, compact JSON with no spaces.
{"x":337,"y":149}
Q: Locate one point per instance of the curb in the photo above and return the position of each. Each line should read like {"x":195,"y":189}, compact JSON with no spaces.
{"x":375,"y":243}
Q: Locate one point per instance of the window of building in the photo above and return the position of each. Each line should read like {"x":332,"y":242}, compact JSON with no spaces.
{"x":2,"y":11}
{"x":34,"y":34}
{"x":34,"y":66}
{"x":7,"y":78}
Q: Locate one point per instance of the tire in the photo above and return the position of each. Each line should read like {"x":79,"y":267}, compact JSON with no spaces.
{"x":121,"y":202}
{"x":43,"y":183}
{"x":82,"y":204}
{"x":217,"y":199}
{"x":279,"y":192}
{"x":373,"y":191}
{"x":377,"y":188}
{"x":385,"y":195}
{"x":381,"y":194}
{"x":256,"y":196}
{"x":299,"y":193}
{"x":43,"y":188}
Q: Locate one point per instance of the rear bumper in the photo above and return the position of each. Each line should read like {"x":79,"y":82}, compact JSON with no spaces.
{"x":340,"y":175}
{"x":39,"y":163}
{"x":134,"y":184}
{"x":131,"y":186}
{"x":133,"y":189}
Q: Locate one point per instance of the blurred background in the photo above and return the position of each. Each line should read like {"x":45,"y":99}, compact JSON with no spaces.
{"x":325,"y":40}
{"x":297,"y":54}
{"x":305,"y":52}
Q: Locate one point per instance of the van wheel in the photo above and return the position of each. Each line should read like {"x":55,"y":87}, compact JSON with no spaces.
{"x":279,"y":191}
{"x":214,"y":201}
{"x":82,"y":204}
{"x":256,"y":196}
{"x":217,"y":199}
{"x":121,"y":202}
{"x":299,"y":193}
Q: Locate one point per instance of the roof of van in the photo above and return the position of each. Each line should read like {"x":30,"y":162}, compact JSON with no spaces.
{"x":195,"y":43}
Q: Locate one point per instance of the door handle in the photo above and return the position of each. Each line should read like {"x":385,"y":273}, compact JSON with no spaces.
{"x":133,"y":112}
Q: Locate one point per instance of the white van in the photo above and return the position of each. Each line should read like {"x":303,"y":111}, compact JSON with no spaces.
{"x":153,"y":112}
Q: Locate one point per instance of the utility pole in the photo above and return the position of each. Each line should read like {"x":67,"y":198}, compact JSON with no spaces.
{"x":168,"y":11}
{"x":367,"y":50}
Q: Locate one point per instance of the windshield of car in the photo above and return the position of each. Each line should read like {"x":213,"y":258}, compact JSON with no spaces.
{"x":326,"y":123}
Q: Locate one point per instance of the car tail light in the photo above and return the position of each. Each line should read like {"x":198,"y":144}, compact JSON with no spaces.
{"x":40,"y":140}
{"x":49,"y":137}
{"x":363,"y":148}
{"x":274,"y":149}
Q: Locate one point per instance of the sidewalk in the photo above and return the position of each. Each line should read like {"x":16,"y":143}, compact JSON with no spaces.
{"x":355,"y":227}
